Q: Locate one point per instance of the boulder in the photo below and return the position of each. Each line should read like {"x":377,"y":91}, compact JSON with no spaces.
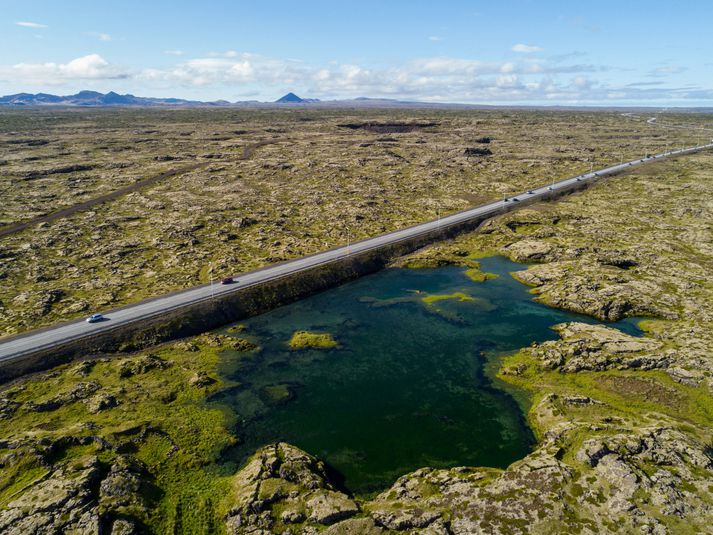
{"x":327,"y":506}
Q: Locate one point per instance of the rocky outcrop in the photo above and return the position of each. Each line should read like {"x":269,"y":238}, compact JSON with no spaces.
{"x":62,"y":501}
{"x":81,"y":391}
{"x":608,"y":296}
{"x":656,"y":467}
{"x":101,"y":402}
{"x":583,"y":346}
{"x":82,"y":495}
{"x":526,"y":251}
{"x":282,"y":486}
{"x":140,"y":365}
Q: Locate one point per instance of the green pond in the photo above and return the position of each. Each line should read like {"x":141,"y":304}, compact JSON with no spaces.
{"x":405,"y":388}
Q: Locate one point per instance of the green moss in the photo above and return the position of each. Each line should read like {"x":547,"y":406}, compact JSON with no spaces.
{"x":307,"y":340}
{"x":628,"y":394}
{"x":15,"y":478}
{"x":434,"y":298}
{"x":476,"y":275}
{"x":160,"y":419}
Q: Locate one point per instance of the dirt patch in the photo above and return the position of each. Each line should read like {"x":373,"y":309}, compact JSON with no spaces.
{"x":642,"y":390}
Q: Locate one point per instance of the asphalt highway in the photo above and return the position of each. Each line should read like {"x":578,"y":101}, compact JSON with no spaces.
{"x":26,"y":344}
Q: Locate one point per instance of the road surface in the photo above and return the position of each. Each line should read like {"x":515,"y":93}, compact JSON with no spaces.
{"x":29,"y":343}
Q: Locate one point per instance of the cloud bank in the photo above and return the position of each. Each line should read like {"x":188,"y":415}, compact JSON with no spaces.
{"x":525,"y":79}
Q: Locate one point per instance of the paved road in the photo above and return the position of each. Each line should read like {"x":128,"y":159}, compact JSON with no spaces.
{"x":27,"y":344}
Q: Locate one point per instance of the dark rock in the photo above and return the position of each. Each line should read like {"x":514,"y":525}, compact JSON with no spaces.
{"x":387,"y":128}
{"x":101,"y":403}
{"x":245,"y":222}
{"x":58,"y":170}
{"x":476,"y":151}
{"x":8,"y":408}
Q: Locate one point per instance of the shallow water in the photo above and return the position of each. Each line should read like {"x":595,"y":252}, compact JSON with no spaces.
{"x":405,"y":389}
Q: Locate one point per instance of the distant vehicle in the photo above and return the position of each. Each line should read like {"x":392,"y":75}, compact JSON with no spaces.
{"x":549,"y":188}
{"x":530,"y":192}
{"x":228,"y":280}
{"x":515,"y":199}
{"x":94,"y":318}
{"x":506,"y":199}
{"x":579,"y":179}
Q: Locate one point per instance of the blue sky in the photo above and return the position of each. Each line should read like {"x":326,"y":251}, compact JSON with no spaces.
{"x":633,"y":52}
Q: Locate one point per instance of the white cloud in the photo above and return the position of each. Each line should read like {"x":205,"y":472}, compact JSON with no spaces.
{"x":526,"y":49}
{"x":174,"y":52}
{"x":667,"y":70}
{"x":90,"y":67}
{"x":99,"y":35}
{"x":35,"y":25}
{"x":507,"y":67}
{"x":231,"y":68}
{"x":435,"y":38}
{"x":442,"y":78}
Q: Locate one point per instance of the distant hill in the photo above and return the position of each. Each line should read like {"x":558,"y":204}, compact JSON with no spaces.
{"x":94,"y":98}
{"x":291,"y":98}
{"x":112,"y":99}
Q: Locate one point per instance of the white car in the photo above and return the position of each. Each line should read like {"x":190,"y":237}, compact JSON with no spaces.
{"x":94,"y":318}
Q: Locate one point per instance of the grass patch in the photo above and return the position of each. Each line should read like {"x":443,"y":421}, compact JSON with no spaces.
{"x":312,"y":340}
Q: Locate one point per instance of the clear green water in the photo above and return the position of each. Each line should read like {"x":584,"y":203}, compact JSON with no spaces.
{"x":406,"y":387}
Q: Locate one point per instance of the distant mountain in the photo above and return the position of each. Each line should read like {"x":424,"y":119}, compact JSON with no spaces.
{"x":94,"y":98}
{"x":112,"y":99}
{"x":291,"y":98}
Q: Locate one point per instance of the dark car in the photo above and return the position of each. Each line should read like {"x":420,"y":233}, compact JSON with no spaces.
{"x":228,"y":280}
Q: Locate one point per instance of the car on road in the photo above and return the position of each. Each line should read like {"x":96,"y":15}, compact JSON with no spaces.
{"x":530,"y":192}
{"x":228,"y":280}
{"x":94,"y":318}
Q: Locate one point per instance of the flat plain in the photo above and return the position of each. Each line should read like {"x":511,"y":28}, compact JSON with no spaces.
{"x":131,"y":442}
{"x":310,"y":180}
